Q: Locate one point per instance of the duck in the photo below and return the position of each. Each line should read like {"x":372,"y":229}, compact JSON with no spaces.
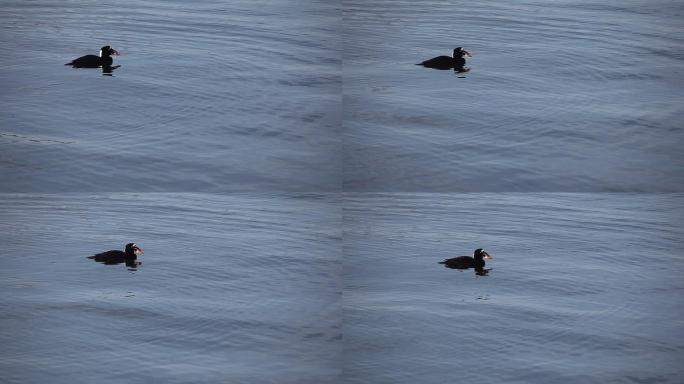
{"x":92,"y":61}
{"x":465,"y":262}
{"x":445,"y":62}
{"x":116,"y":256}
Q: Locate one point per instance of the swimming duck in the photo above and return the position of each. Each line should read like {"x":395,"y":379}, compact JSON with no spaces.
{"x":445,"y":62}
{"x":92,"y":61}
{"x":116,"y":256}
{"x":465,"y":262}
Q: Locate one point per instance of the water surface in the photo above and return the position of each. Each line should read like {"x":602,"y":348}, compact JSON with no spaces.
{"x":232,"y":289}
{"x":210,"y":96}
{"x":214,"y":99}
{"x":561,"y":96}
{"x":583,"y":288}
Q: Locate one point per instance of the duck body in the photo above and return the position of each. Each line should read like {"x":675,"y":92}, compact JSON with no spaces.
{"x":444,"y":62}
{"x":456,"y":62}
{"x":465,"y":262}
{"x":92,"y":61}
{"x":117,"y":257}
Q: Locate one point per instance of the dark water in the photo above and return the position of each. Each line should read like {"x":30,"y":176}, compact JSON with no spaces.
{"x":294,"y":178}
{"x":239,"y":289}
{"x":584,"y":288}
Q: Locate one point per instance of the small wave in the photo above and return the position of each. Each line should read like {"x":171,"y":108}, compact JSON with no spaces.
{"x":33,"y":139}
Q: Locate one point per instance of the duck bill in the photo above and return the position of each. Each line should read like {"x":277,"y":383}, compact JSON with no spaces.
{"x":467,"y":54}
{"x":114,"y":52}
{"x":487,"y":256}
{"x":138,"y":250}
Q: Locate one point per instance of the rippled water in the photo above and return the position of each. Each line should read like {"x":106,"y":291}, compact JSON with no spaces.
{"x":231,"y":289}
{"x":266,"y":154}
{"x":583,"y":288}
{"x":212,"y":96}
{"x":209,"y":96}
{"x":561,"y":96}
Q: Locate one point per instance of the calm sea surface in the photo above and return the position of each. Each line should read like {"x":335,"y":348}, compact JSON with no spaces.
{"x":238,"y":289}
{"x":294,"y":179}
{"x":210,"y":95}
{"x":248,"y":95}
{"x":584,"y":288}
{"x":281,"y":289}
{"x":562,"y":96}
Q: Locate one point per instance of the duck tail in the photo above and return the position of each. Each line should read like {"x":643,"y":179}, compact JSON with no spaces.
{"x":72,"y":63}
{"x":442,"y":262}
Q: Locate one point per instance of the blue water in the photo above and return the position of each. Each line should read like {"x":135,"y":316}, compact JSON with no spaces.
{"x":210,"y":96}
{"x":231,"y":289}
{"x":561,"y":96}
{"x":584,"y":288}
{"x":294,"y":179}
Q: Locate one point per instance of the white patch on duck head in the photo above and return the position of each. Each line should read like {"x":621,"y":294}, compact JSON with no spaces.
{"x":137,"y":250}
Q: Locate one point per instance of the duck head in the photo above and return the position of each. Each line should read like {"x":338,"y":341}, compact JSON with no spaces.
{"x":460,"y":53}
{"x":481,"y":254}
{"x":107,"y":51}
{"x":133,"y":250}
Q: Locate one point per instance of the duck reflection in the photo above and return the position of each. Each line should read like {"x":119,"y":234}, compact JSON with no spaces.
{"x":108,"y":69}
{"x":129,"y":256}
{"x":480,"y":271}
